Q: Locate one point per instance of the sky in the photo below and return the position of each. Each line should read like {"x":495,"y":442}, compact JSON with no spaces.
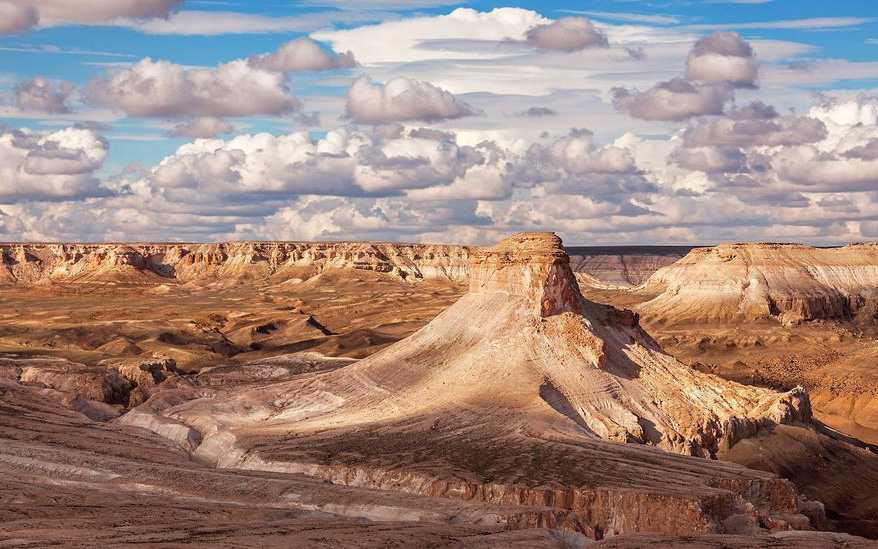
{"x":610,"y":122}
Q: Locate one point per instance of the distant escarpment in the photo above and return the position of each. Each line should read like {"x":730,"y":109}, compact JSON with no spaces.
{"x":150,"y":263}
{"x":789,"y":283}
{"x":623,"y":266}
{"x":276,"y":261}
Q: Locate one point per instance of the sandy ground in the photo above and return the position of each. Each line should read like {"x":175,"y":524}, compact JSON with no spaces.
{"x":338,"y":313}
{"x":114,"y":481}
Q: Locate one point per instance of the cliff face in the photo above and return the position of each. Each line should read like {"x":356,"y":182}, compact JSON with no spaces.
{"x":157,"y":263}
{"x":624,"y":266}
{"x":518,"y":393}
{"x":143,"y":263}
{"x":787,"y":282}
{"x":532,"y":266}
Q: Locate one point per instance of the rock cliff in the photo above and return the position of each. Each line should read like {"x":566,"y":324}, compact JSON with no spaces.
{"x":520,"y":393}
{"x":623,"y":266}
{"x":787,"y":282}
{"x":154,"y":263}
{"x":278,"y":261}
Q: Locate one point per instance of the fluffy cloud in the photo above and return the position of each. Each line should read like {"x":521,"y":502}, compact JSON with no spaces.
{"x":676,"y":99}
{"x":826,"y":172}
{"x":577,"y":154}
{"x":402,"y":100}
{"x":38,"y":94}
{"x":712,"y":159}
{"x":16,"y":16}
{"x":22,"y":15}
{"x":343,"y":163}
{"x":716,"y":65}
{"x":756,"y":125}
{"x":752,"y":174}
{"x":723,"y":57}
{"x":302,"y":54}
{"x":202,"y":128}
{"x":566,"y":34}
{"x":50,"y":166}
{"x":161,"y":89}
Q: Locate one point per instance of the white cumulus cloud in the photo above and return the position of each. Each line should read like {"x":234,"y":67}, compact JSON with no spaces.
{"x":161,"y":89}
{"x":723,"y":57}
{"x":38,"y":94}
{"x":401,"y":100}
{"x":302,"y":54}
{"x":567,"y":34}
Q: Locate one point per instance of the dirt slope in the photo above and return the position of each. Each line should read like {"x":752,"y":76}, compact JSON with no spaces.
{"x":516,"y":394}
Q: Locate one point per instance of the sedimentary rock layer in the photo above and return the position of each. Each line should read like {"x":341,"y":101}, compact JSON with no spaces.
{"x":786,"y":282}
{"x":229,"y":261}
{"x":520,"y":394}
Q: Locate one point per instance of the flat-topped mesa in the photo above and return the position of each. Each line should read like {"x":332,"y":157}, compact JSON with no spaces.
{"x":232,"y":261}
{"x":530,"y":265}
{"x":788,"y":283}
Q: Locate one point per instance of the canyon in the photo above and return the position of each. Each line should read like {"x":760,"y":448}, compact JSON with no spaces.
{"x":371,"y":394}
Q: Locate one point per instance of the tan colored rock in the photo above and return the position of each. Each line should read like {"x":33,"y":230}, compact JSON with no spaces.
{"x":96,"y":384}
{"x":225,"y":262}
{"x":787,"y":282}
{"x":519,"y":393}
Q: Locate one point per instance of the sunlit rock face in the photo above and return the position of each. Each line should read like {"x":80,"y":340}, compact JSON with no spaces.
{"x":533,"y":266}
{"x":151,"y":263}
{"x":519,"y":393}
{"x":789,"y":283}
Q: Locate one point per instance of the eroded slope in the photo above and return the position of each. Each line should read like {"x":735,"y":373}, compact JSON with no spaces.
{"x":515,"y":394}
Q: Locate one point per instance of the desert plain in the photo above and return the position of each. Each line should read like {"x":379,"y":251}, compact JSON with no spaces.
{"x":376,"y":394}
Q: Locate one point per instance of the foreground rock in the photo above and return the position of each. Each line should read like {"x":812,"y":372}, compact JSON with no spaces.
{"x":520,"y":394}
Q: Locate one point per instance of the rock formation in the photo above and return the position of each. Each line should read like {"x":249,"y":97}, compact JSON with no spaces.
{"x":520,"y":393}
{"x":68,"y":481}
{"x":623,"y":266}
{"x":789,"y":283}
{"x":229,"y":261}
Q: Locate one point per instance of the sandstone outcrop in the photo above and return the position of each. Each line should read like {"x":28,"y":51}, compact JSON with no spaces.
{"x":623,"y":266}
{"x":225,"y":262}
{"x":92,"y":383}
{"x":789,"y":283}
{"x":520,"y":393}
{"x":235,"y":262}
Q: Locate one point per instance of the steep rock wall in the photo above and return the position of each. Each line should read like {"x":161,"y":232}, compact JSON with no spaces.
{"x":787,"y":282}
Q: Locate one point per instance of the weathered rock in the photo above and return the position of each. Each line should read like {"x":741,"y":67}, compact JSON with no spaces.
{"x":95,"y":384}
{"x":514,"y":396}
{"x":229,"y":261}
{"x":787,"y":282}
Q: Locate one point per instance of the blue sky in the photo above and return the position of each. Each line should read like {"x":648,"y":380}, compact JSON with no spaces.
{"x":164,"y":123}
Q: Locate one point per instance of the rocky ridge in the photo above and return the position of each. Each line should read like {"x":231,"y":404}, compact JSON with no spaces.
{"x":150,"y":263}
{"x":228,"y":261}
{"x":789,"y":283}
{"x":518,"y":394}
